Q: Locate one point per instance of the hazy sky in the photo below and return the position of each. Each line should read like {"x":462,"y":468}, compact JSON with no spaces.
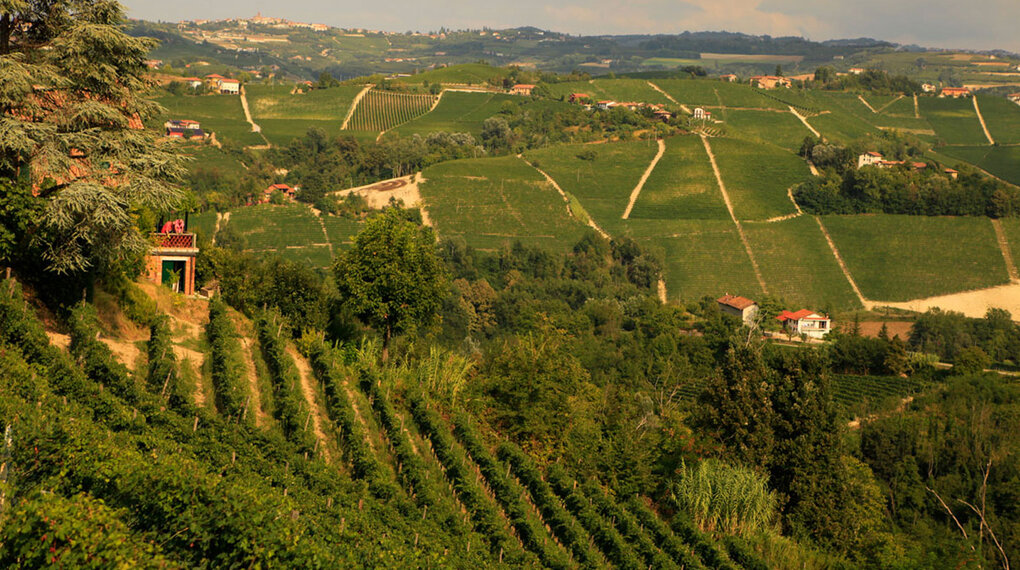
{"x":977,"y":24}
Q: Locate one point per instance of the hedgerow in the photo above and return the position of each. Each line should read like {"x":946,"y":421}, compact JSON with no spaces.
{"x":352,"y":438}
{"x":484,"y":514}
{"x":571,"y":535}
{"x":290,"y":407}
{"x":509,"y":493}
{"x":606,"y":537}
{"x":228,"y":371}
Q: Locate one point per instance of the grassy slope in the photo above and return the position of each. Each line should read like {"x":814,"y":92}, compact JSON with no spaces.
{"x":1002,"y":117}
{"x":757,"y":177}
{"x":493,"y":201}
{"x":603,"y":185}
{"x":954,"y":120}
{"x":682,"y":186}
{"x":898,"y":258}
{"x":798,"y":265}
{"x":781,"y":129}
{"x":1002,"y":161}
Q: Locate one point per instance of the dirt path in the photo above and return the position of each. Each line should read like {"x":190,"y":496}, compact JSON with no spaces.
{"x":814,"y":172}
{"x":917,"y":111}
{"x":255,"y":128}
{"x":736,"y":222}
{"x":246,"y":333}
{"x":973,"y":304}
{"x":308,"y":389}
{"x":644,"y":178}
{"x":866,"y":104}
{"x":566,"y":198}
{"x":1007,"y":255}
{"x":842,"y":264}
{"x":220,"y":218}
{"x":354,"y":105}
{"x":789,"y":194}
{"x":670,"y":97}
{"x":661,"y":289}
{"x":803,"y":119}
{"x":984,"y":127}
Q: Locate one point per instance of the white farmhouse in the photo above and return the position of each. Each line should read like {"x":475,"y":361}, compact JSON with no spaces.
{"x":806,"y":322}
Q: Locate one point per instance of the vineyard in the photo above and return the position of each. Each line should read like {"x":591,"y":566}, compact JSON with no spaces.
{"x":382,"y":110}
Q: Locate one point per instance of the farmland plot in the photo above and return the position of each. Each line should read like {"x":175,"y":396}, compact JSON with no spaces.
{"x":954,"y":120}
{"x":277,"y":102}
{"x":601,"y":176}
{"x":1002,"y":117}
{"x":900,"y":258}
{"x":780,"y":129}
{"x":383,"y":110}
{"x":495,"y":201}
{"x":220,"y":114}
{"x":1002,"y":161}
{"x":757,"y":177}
{"x":798,"y":264}
{"x":457,"y":112}
{"x":682,"y":186}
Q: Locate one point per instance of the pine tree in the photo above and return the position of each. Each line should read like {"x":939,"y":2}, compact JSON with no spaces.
{"x":71,"y":112}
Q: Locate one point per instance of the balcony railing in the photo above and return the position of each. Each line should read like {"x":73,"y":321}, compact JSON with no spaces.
{"x":174,"y":241}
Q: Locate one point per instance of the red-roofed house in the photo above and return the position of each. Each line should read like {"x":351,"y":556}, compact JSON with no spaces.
{"x":955,"y":92}
{"x":1014,"y":97}
{"x":579,"y":98}
{"x":192,"y":82}
{"x":230,"y":86}
{"x":806,"y":322}
{"x":267,"y":194}
{"x":702,"y":114}
{"x":522,"y":89}
{"x":728,"y":77}
{"x":954,"y":174}
{"x":741,"y":307}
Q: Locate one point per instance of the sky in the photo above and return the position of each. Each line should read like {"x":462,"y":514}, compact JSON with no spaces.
{"x":966,"y":24}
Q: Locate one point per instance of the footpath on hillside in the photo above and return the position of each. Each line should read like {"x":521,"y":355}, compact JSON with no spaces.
{"x":644,"y":178}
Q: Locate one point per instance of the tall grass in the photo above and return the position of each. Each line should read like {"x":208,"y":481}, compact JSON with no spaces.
{"x":734,"y":500}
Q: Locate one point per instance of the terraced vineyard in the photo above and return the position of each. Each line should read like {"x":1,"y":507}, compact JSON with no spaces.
{"x":383,"y":110}
{"x":860,"y":392}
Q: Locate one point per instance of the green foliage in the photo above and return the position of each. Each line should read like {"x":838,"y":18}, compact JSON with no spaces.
{"x":391,"y":278}
{"x":230,"y":384}
{"x":722,"y":498}
{"x":49,"y":530}
{"x":630,"y":529}
{"x":383,"y":110}
{"x":663,"y":535}
{"x":73,"y":80}
{"x":164,"y":377}
{"x":95,"y":357}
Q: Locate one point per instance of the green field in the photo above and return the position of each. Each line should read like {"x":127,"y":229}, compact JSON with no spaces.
{"x":798,"y":265}
{"x":467,"y":73}
{"x":899,"y":258}
{"x":276,"y":227}
{"x":203,"y":223}
{"x":1002,"y":161}
{"x":1002,"y":117}
{"x":277,"y":102}
{"x":757,"y":177}
{"x":220,"y":114}
{"x":904,"y":107}
{"x":704,"y":257}
{"x":281,"y":131}
{"x":839,"y":125}
{"x":603,"y":185}
{"x":780,"y":129}
{"x":341,"y":231}
{"x":682,"y":186}
{"x":458,"y":112}
{"x":715,"y":93}
{"x":954,"y":120}
{"x":491,"y":202}
{"x":621,"y":90}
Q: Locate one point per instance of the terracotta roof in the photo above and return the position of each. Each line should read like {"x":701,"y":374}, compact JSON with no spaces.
{"x":735,"y":301}
{"x":873,"y":153}
{"x":524,"y":86}
{"x":800,"y":315}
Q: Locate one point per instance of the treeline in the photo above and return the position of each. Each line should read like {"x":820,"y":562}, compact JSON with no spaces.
{"x":873,"y":80}
{"x":926,"y":190}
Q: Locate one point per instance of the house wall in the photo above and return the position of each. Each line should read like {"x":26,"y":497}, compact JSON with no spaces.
{"x":154,"y":270}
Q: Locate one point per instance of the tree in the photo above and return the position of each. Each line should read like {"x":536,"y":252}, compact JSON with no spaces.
{"x":71,"y":118}
{"x":392,"y":277}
